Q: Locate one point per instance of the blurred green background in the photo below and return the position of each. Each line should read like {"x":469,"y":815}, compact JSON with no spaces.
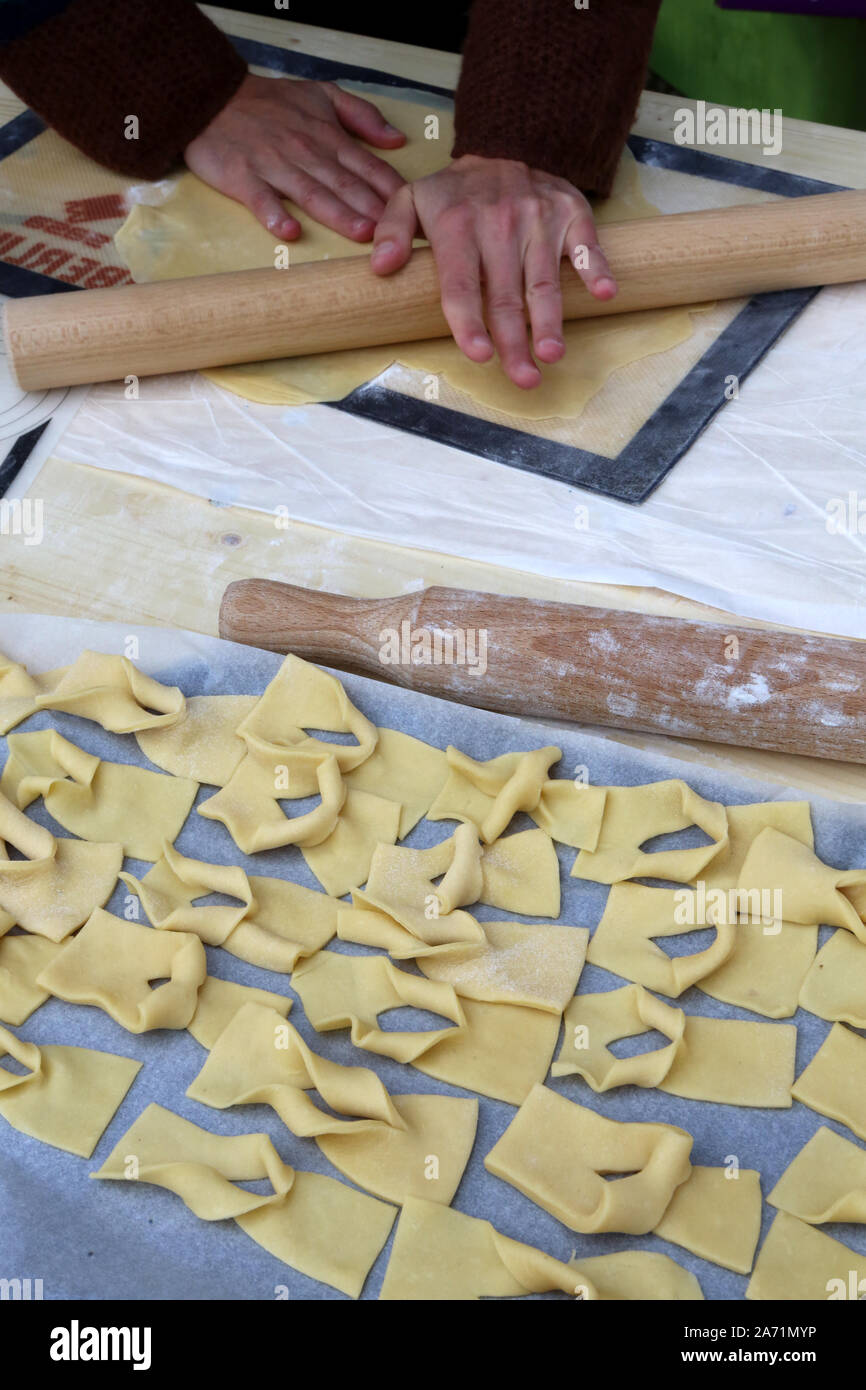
{"x":812,"y":68}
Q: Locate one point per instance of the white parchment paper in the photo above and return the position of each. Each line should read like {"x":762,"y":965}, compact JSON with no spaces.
{"x":97,"y":1240}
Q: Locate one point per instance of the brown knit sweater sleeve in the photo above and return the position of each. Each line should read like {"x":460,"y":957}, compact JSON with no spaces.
{"x":87,"y":69}
{"x":554,"y":86}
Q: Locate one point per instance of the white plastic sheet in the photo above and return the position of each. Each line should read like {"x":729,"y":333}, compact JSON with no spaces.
{"x":759,"y":519}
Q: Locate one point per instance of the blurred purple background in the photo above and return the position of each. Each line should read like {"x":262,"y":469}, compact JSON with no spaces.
{"x":839,"y":9}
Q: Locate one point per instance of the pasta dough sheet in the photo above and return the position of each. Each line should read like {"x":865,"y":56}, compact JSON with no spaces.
{"x":198,"y":231}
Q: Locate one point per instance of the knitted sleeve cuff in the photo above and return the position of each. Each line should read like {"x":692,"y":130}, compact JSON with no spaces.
{"x":552,"y":85}
{"x":91,"y":69}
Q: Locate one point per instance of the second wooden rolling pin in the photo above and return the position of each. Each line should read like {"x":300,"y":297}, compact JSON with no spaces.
{"x":256,"y":315}
{"x":751,"y":687}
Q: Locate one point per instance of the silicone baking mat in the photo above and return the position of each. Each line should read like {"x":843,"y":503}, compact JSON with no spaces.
{"x":100,"y":1240}
{"x":636,"y":428}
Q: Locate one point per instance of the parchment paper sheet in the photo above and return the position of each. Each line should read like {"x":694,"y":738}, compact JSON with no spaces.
{"x":97,"y":1240}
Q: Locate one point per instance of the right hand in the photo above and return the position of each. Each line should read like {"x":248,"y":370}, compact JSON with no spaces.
{"x":280,"y":138}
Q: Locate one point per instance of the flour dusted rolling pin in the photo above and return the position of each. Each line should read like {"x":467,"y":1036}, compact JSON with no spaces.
{"x":711,"y":681}
{"x":255,"y":315}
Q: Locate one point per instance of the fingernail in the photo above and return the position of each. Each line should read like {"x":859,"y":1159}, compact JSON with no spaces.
{"x":550,"y":344}
{"x":392,"y":130}
{"x":384,"y":248}
{"x":605,"y":288}
{"x":480,"y":344}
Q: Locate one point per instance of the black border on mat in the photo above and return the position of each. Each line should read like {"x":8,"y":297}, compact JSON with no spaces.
{"x":18,"y":455}
{"x":634,"y":474}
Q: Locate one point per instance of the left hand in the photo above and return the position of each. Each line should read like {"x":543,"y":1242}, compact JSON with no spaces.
{"x":498,"y":223}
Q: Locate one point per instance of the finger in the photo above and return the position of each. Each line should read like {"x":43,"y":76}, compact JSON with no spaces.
{"x":266,"y":206}
{"x":394,"y":232}
{"x":588,"y":259}
{"x":458,"y":264}
{"x":543,"y":296}
{"x":309,"y":157}
{"x":506,"y":317}
{"x":380,"y":176}
{"x":324,"y":206}
{"x":363,"y":118}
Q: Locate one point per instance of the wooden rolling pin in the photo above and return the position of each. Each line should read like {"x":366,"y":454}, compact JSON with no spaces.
{"x":255,"y":315}
{"x":751,"y":687}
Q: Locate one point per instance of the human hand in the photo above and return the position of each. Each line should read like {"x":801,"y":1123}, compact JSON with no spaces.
{"x":278,"y":138}
{"x":497,"y":223}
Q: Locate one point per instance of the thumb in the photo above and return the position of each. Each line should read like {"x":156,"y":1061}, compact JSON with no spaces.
{"x":392,"y":241}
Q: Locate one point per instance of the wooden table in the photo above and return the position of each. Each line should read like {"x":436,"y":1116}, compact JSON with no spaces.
{"x":118,"y":547}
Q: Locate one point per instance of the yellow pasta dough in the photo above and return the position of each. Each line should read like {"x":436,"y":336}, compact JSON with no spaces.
{"x":54,"y":888}
{"x":832,"y":1083}
{"x":520,"y":963}
{"x":734,"y":1063}
{"x":401,"y":769}
{"x":18,"y":693}
{"x":315,"y":1224}
{"x":444,"y":1255}
{"x":594,"y":1020}
{"x":401,"y":884}
{"x":571,"y":812}
{"x":499,"y":1050}
{"x":766,"y":968}
{"x":285,"y":761}
{"x":440,"y":1254}
{"x":714,"y":1059}
{"x":220,"y":1000}
{"x":113,"y":693}
{"x":68,"y":1096}
{"x":394,"y":1146}
{"x":625,"y":939}
{"x":502,"y":1051}
{"x":302,"y":697}
{"x":717,"y":1215}
{"x":342,"y":861}
{"x":203,"y":744}
{"x":826,"y":1181}
{"x":835,"y":987}
{"x":796,"y":1263}
{"x":274,"y":924}
{"x":249,"y":804}
{"x":340,"y":991}
{"x":100,"y":801}
{"x":22,"y":958}
{"x":812,"y":892}
{"x":489,"y":794}
{"x":107,"y":689}
{"x":110,"y":963}
{"x":745,"y":824}
{"x":642,"y":1275}
{"x":520,"y":874}
{"x":635,"y":815}
{"x":556,"y":1153}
